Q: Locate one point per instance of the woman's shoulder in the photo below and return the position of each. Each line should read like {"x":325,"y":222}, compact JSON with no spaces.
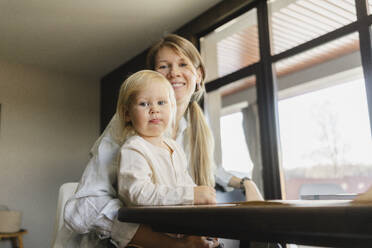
{"x":110,"y":136}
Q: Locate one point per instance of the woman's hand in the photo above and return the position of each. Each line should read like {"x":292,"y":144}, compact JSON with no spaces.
{"x":251,"y":191}
{"x":200,"y":242}
{"x":204,"y":195}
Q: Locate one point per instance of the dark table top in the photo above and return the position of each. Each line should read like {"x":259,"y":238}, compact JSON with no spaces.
{"x":323,"y":223}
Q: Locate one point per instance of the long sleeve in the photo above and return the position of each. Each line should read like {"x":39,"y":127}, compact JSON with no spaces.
{"x":144,"y":180}
{"x":95,"y":205}
{"x":223,"y":177}
{"x":92,"y":213}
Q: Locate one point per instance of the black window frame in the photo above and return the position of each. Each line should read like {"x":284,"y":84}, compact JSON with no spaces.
{"x":267,"y":87}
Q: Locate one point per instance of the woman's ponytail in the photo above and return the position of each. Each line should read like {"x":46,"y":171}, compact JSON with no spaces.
{"x":201,"y":146}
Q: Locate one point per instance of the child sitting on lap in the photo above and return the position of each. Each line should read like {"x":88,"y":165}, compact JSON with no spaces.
{"x":153,"y":167}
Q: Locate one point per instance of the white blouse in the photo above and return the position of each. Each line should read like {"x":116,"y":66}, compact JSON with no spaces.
{"x":94,"y":207}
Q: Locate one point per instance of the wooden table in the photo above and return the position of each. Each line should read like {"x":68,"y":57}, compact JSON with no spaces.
{"x":319,"y":223}
{"x":16,"y":238}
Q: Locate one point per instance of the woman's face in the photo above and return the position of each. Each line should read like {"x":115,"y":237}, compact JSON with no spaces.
{"x":179,"y":71}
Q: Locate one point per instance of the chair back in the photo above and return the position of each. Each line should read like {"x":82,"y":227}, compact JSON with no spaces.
{"x":65,"y":192}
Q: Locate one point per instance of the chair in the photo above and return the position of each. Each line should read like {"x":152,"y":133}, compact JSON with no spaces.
{"x":65,"y":192}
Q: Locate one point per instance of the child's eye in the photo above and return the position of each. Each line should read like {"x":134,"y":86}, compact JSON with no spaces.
{"x":183,"y":65}
{"x":162,"y":102}
{"x":162,"y":67}
{"x":144,"y":104}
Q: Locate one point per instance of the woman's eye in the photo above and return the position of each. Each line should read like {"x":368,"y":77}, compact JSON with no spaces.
{"x":183,"y":65}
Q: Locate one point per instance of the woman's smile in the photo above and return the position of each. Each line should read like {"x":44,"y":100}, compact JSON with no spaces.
{"x":177,"y":85}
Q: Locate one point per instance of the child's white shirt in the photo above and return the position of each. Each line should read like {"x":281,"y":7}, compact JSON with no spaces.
{"x":152,"y":175}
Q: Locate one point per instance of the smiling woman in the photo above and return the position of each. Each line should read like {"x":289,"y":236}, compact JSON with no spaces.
{"x":101,"y":172}
{"x":180,"y":64}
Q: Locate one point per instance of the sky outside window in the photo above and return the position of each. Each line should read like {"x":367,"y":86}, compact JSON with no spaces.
{"x":336,"y":115}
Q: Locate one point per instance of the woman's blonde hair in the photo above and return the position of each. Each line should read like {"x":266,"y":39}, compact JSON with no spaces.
{"x":127,"y":95}
{"x":199,"y":134}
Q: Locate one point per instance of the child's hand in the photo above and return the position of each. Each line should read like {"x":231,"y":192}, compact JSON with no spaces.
{"x":204,"y":195}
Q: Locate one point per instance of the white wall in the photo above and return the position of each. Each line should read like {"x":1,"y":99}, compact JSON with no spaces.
{"x":48,"y":123}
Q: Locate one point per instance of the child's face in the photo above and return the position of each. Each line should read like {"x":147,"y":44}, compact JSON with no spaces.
{"x":150,"y":111}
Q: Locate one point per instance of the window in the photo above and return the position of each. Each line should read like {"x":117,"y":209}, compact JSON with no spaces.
{"x":316,"y":56}
{"x":231,"y":121}
{"x":294,"y":22}
{"x":324,"y":124}
{"x":235,"y":155}
{"x":231,"y":46}
{"x":326,"y":52}
{"x":323,"y":119}
{"x":326,"y":139}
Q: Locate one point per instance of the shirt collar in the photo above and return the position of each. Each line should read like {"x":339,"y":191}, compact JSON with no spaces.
{"x":181,"y":127}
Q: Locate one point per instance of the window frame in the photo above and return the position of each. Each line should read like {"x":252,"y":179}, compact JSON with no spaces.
{"x":267,"y":87}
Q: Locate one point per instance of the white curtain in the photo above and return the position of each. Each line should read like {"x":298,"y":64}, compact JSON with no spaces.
{"x":251,"y":129}
{"x":212,"y":105}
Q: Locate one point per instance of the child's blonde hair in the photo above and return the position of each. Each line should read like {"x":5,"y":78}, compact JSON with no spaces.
{"x":128,"y":92}
{"x":199,"y":134}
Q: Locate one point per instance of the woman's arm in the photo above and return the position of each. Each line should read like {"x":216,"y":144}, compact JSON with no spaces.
{"x":94,"y":205}
{"x":96,"y":211}
{"x":251,"y":191}
{"x":226,"y":179}
{"x":91,"y":213}
{"x":147,"y":238}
